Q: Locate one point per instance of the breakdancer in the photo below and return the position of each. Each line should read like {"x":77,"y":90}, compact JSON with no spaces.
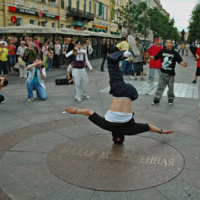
{"x":119,"y":119}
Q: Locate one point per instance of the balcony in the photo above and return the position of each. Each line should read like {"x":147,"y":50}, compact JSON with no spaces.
{"x":79,"y":15}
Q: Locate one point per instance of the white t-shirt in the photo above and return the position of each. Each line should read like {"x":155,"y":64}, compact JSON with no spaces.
{"x":57,"y":48}
{"x":70,"y":69}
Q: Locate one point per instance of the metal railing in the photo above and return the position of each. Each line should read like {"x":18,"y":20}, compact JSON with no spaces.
{"x":80,"y":13}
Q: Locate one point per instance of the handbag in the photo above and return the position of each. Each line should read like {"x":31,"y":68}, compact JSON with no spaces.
{"x":21,"y":62}
{"x":25,"y":56}
{"x":16,"y":66}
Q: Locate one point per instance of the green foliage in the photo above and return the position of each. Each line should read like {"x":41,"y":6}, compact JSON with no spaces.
{"x":194,"y":25}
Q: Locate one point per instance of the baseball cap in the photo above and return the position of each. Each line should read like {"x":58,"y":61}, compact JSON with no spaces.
{"x":156,"y":40}
{"x":2,"y":42}
{"x":78,"y":42}
{"x":137,"y":39}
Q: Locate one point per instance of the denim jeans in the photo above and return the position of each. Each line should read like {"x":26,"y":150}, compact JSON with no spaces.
{"x":4,"y":67}
{"x":126,"y":66}
{"x":57,"y":60}
{"x":40,"y":90}
{"x":152,"y":73}
{"x":12,"y":60}
{"x":135,"y":65}
{"x":50,"y":63}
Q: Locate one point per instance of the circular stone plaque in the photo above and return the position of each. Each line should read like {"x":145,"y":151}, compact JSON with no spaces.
{"x":94,"y":162}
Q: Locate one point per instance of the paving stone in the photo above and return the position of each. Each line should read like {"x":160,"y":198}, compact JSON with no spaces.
{"x":100,"y":195}
{"x":93,"y":129}
{"x":34,"y":188}
{"x":70,"y":192}
{"x":150,"y":194}
{"x":20,"y":158}
{"x":51,"y":137}
{"x":177,"y":190}
{"x":12,"y":174}
{"x":30,"y":145}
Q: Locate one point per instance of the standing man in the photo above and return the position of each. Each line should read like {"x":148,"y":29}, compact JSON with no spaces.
{"x":187,"y":48}
{"x":138,"y":61}
{"x":183,"y":48}
{"x":124,"y":46}
{"x":57,"y":54}
{"x":49,"y":43}
{"x":154,"y":64}
{"x":179,"y":48}
{"x":70,"y":48}
{"x":169,"y":57}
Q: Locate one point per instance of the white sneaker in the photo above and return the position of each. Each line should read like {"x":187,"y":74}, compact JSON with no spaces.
{"x":29,"y":100}
{"x":86,"y":96}
{"x":78,"y":99}
{"x":150,"y":81}
{"x":2,"y":102}
{"x":20,"y":76}
{"x":133,"y":48}
{"x":131,"y":77}
{"x":135,"y":78}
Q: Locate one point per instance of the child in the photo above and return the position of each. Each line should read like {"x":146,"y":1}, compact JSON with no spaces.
{"x":69,"y":73}
{"x":50,"y":59}
{"x":3,"y":59}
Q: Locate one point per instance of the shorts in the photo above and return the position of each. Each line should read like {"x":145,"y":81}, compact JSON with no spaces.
{"x":198,"y":71}
{"x":128,"y":128}
{"x":4,"y":67}
{"x":135,"y":65}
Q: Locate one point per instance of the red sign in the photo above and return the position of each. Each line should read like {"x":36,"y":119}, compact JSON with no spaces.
{"x":12,"y":9}
{"x":58,"y":17}
{"x":40,"y":14}
{"x":13,"y":19}
{"x":78,"y":29}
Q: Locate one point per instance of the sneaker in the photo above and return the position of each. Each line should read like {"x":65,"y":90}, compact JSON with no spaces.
{"x":2,"y":102}
{"x":29,"y":100}
{"x":78,"y":99}
{"x":135,"y":78}
{"x":86,"y":96}
{"x":194,"y":81}
{"x":133,"y":48}
{"x":170,"y":102}
{"x":142,"y":79}
{"x":150,"y":81}
{"x":131,"y":77}
{"x":155,"y":102}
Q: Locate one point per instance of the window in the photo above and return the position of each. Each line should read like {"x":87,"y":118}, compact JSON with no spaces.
{"x":62,"y":3}
{"x":53,"y":25}
{"x":77,"y":4}
{"x":95,"y":10}
{"x":103,"y":13}
{"x":107,"y":14}
{"x":62,"y":26}
{"x":19,"y":21}
{"x":70,"y":3}
{"x":120,"y":2}
{"x":32,"y":21}
{"x":84,"y":5}
{"x":90,"y":7}
{"x":44,"y":24}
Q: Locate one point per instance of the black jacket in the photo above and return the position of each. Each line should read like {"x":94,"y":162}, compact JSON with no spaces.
{"x":70,"y":47}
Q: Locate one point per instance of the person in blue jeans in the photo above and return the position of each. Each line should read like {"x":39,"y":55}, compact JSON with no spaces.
{"x":35,"y":80}
{"x":50,"y":59}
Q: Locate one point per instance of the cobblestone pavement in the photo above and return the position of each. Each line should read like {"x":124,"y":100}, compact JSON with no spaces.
{"x":31,"y":133}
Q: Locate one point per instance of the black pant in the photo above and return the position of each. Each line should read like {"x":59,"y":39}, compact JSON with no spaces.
{"x":128,"y":128}
{"x":104,"y":59}
{"x":57,"y":61}
{"x":1,"y":98}
{"x":118,"y":88}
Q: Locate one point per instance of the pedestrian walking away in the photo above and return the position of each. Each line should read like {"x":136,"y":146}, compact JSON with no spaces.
{"x":183,"y":48}
{"x":187,"y":48}
{"x":105,"y":52}
{"x":119,"y":118}
{"x":154,"y":64}
{"x":80,"y":76}
{"x":169,"y":57}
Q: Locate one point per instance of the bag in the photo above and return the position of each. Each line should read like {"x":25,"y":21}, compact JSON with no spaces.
{"x":25,"y":56}
{"x":16,"y":66}
{"x":21,"y":62}
{"x":61,"y":81}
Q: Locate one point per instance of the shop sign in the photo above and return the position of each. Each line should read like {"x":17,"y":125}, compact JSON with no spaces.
{"x":32,"y":4}
{"x":13,"y":19}
{"x":19,"y":2}
{"x":78,"y":23}
{"x":31,"y":12}
{"x":40,"y":14}
{"x":50,"y":16}
{"x":101,"y":27}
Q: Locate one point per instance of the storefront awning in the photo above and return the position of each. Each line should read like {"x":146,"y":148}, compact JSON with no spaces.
{"x":96,"y":29}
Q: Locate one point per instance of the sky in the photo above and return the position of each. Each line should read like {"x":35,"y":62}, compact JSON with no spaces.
{"x":180,"y":10}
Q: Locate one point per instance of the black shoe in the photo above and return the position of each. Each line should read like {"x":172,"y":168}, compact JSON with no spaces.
{"x":170,"y":102}
{"x":194,"y":81}
{"x":102,"y":71}
{"x":155,"y":102}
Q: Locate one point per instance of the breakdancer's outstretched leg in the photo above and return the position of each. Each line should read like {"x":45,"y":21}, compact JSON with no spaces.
{"x":119,"y":119}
